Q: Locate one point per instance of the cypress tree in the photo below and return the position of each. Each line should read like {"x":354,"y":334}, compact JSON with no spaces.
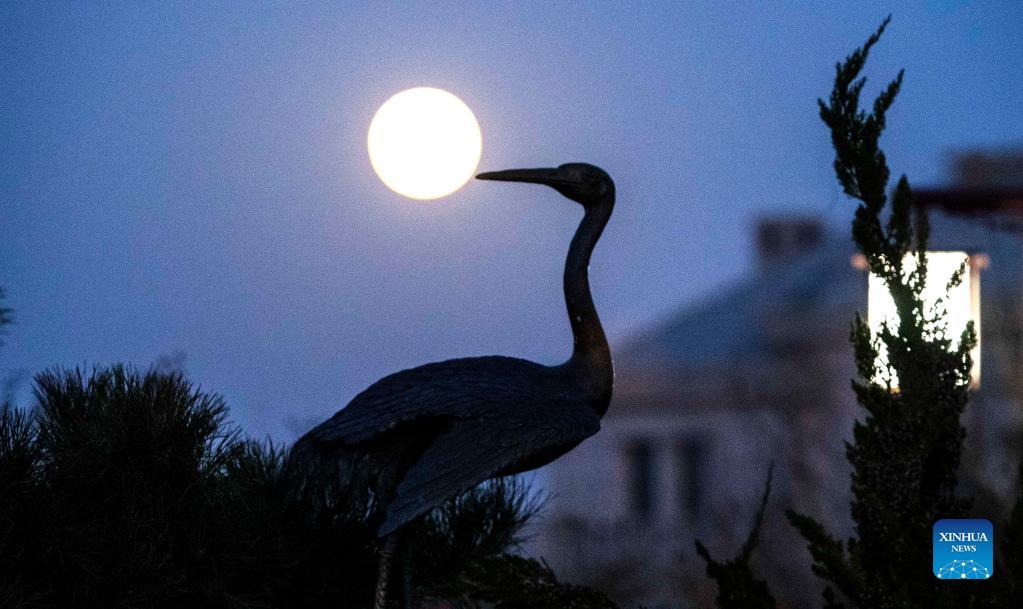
{"x":906,"y":448}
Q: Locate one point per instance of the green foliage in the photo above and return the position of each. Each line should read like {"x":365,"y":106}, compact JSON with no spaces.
{"x":124,"y":489}
{"x":905,"y":452}
{"x":738,"y":587}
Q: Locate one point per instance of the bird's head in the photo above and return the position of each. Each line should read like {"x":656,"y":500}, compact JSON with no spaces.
{"x":583,"y":183}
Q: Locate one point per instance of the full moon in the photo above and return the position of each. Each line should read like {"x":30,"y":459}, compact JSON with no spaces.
{"x":424,"y":143}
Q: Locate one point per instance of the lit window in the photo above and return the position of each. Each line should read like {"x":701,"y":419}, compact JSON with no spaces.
{"x":961,"y":304}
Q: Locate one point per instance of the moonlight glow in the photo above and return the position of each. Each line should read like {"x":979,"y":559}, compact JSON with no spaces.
{"x":424,"y":143}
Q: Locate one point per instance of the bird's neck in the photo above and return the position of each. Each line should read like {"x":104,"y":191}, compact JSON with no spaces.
{"x":591,"y":356}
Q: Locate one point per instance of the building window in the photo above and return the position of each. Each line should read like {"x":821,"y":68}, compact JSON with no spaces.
{"x":642,"y":476}
{"x":691,"y":470}
{"x":961,"y":304}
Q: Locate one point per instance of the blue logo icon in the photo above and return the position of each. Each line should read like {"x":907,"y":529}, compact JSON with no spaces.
{"x":963,"y":549}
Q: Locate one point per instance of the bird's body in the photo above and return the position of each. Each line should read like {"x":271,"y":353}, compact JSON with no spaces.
{"x":419,"y":437}
{"x":432,"y":432}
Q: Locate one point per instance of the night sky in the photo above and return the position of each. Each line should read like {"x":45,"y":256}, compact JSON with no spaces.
{"x":192,"y":179}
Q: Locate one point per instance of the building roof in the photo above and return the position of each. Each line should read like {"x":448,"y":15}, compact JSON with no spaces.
{"x":735,"y":322}
{"x":746,"y":339}
{"x":1000,"y":207}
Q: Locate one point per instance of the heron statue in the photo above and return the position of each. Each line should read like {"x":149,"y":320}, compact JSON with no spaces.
{"x":419,"y":437}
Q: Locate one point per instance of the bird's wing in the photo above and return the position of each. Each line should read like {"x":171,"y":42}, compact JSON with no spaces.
{"x":450,"y":389}
{"x":469,"y":453}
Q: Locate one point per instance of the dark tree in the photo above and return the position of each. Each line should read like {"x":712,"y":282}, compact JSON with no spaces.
{"x":906,"y":449}
{"x":124,"y":489}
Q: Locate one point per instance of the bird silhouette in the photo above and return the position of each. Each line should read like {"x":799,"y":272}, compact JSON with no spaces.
{"x":419,"y":437}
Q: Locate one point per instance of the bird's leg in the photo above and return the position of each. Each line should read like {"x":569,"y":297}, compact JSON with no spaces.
{"x":387,"y":549}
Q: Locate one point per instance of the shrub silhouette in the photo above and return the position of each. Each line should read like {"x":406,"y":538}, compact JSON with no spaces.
{"x":129,"y":489}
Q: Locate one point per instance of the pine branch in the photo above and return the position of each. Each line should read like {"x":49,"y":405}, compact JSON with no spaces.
{"x":830,"y":560}
{"x":738,"y":587}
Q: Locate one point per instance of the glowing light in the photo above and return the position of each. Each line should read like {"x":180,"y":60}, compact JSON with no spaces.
{"x":424,"y":143}
{"x":961,"y":304}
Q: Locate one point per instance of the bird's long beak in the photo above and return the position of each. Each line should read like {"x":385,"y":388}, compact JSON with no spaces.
{"x":548,"y":176}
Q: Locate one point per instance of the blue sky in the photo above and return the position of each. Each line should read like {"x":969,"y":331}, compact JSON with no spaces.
{"x":193,"y":177}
